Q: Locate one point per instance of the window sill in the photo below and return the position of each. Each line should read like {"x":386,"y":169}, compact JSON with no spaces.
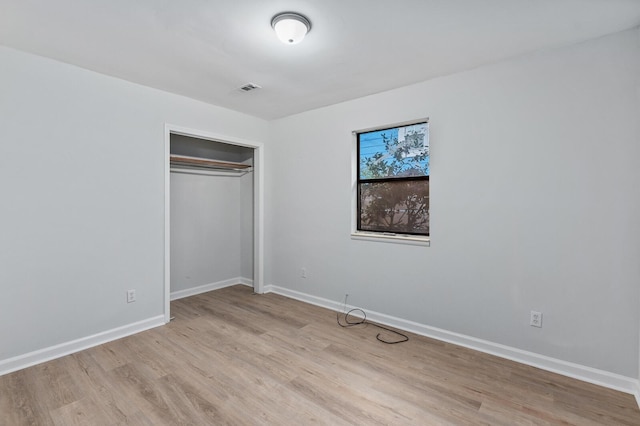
{"x":392,"y":238}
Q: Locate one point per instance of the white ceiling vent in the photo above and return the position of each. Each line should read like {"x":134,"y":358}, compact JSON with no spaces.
{"x":249,"y":87}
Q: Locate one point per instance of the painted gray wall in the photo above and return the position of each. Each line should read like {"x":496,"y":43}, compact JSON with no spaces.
{"x":246,"y":228}
{"x":534,"y":205}
{"x":533,"y":189}
{"x":82,"y":184}
{"x":211,"y":232}
{"x":205,"y":230}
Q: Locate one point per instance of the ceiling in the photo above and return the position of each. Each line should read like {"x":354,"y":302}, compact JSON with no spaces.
{"x":207,"y":49}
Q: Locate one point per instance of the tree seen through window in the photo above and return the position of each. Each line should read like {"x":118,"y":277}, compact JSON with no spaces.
{"x":393,"y":180}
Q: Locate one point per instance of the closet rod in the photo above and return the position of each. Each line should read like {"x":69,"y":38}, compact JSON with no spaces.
{"x":210,"y":172}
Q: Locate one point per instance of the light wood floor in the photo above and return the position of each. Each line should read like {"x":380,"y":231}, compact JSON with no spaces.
{"x":231,"y":357}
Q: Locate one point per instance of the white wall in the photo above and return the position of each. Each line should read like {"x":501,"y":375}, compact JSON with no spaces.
{"x":638,"y":131}
{"x":246,"y":228}
{"x":534,"y":205}
{"x":82,"y":184}
{"x":206,"y":231}
{"x":534,"y":202}
{"x":211,"y":219}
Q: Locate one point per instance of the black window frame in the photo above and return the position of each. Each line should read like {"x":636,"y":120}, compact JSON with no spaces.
{"x":360,"y":181}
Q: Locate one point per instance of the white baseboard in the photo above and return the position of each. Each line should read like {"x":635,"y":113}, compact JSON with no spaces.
{"x":210,"y":287}
{"x":47,"y":354}
{"x":576,"y":371}
{"x":246,"y":281}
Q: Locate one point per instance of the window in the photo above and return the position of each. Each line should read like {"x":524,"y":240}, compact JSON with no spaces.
{"x":393,"y":180}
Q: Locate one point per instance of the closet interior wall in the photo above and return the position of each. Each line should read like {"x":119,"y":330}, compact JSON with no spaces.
{"x":211,"y":219}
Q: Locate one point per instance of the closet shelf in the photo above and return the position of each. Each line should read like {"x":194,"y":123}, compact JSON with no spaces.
{"x":207,"y":164}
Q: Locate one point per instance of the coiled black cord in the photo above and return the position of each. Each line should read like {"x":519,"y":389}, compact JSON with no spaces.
{"x":351,"y":323}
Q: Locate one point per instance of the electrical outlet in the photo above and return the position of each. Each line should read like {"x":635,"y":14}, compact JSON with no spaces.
{"x":536,"y":319}
{"x":131,"y":296}
{"x":303,"y":272}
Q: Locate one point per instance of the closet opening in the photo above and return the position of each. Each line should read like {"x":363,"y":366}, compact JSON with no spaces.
{"x":213,"y":213}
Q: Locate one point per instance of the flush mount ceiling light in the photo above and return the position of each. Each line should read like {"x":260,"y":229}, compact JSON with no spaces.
{"x":290,"y":27}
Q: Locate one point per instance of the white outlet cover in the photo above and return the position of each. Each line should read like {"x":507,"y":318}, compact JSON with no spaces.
{"x":536,"y":319}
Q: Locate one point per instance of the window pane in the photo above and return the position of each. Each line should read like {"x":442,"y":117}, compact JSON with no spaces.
{"x":395,"y":206}
{"x":398,"y":152}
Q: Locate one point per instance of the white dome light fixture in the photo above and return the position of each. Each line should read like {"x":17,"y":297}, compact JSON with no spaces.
{"x":290,"y":27}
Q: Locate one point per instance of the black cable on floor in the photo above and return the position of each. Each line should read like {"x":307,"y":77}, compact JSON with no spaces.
{"x":363,"y":320}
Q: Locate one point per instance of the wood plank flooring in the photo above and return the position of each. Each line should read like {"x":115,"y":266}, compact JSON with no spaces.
{"x":231,"y":357}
